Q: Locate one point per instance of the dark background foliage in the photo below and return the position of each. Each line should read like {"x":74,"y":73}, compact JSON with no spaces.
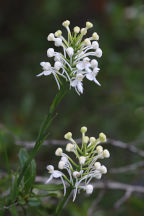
{"x":116,"y":108}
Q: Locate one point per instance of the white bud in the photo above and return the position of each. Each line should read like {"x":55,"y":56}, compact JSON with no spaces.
{"x":95,"y":45}
{"x":51,"y":37}
{"x":76,"y":29}
{"x":92,"y":139}
{"x":69,"y":147}
{"x":95,"y":36}
{"x":89,"y":189}
{"x":94,"y":63}
{"x":102,"y":137}
{"x":103,"y":169}
{"x":83,"y":31}
{"x":76,"y":174}
{"x":50,"y":52}
{"x":85,"y":139}
{"x":97,"y":165}
{"x":87,"y":42}
{"x":68,"y":135}
{"x":61,"y":164}
{"x":83,"y":129}
{"x":58,"y":42}
{"x":106,"y":153}
{"x":66,"y":23}
{"x":98,"y":52}
{"x":46,"y":65}
{"x":59,"y":152}
{"x":50,"y":168}
{"x":98,"y":176}
{"x":70,"y":51}
{"x":82,"y":159}
{"x":58,"y":33}
{"x":99,"y":149}
{"x":58,"y":65}
{"x":89,"y":25}
{"x":86,"y":59}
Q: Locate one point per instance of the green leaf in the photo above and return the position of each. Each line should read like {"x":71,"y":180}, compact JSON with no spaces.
{"x":49,"y":187}
{"x":29,"y":176}
{"x":34,"y":201}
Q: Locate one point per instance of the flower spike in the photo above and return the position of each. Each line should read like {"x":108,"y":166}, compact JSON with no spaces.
{"x":79,"y":174}
{"x":73,"y":63}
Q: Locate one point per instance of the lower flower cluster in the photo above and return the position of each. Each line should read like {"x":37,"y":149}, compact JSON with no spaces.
{"x":78,"y":173}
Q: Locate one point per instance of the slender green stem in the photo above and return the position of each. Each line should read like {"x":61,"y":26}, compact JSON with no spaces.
{"x":63,"y":202}
{"x":41,"y":136}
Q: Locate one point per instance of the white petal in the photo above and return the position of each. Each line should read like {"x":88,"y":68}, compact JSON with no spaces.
{"x":57,"y":174}
{"x":80,"y":66}
{"x":95,"y":80}
{"x":46,"y":73}
{"x":40,"y":74}
{"x":73,"y":83}
{"x":80,"y":87}
{"x":89,"y":76}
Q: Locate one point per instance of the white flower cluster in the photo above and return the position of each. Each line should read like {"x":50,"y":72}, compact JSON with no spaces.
{"x":73,"y":64}
{"x":85,"y":168}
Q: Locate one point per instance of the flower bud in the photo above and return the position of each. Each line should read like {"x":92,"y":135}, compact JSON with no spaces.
{"x":58,"y":42}
{"x":92,"y":139}
{"x":89,"y":189}
{"x":103,"y":169}
{"x":106,"y":153}
{"x":83,"y":129}
{"x":99,"y":149}
{"x":76,"y":29}
{"x":70,"y":51}
{"x":46,"y":65}
{"x":58,"y":33}
{"x":50,"y":168}
{"x":68,"y":135}
{"x":66,"y":23}
{"x":89,"y":25}
{"x":95,"y":45}
{"x":102,"y":137}
{"x":51,"y":37}
{"x":82,"y":159}
{"x":98,"y":52}
{"x":95,"y":36}
{"x":59,"y":152}
{"x":97,"y":165}
{"x":87,"y":42}
{"x":76,"y":174}
{"x":98,"y":176}
{"x":85,"y":139}
{"x":69,"y":147}
{"x":58,"y":65}
{"x":61,"y":164}
{"x":50,"y":52}
{"x":83,"y":31}
{"x":94,"y":63}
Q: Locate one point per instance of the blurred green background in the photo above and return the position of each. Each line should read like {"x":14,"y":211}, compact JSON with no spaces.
{"x":116,"y":108}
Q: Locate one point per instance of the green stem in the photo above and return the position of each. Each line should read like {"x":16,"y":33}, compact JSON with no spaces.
{"x":63,"y":202}
{"x":41,"y":136}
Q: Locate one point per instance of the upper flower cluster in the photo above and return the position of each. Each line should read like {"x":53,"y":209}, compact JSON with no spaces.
{"x":86,"y":167}
{"x":73,"y":63}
